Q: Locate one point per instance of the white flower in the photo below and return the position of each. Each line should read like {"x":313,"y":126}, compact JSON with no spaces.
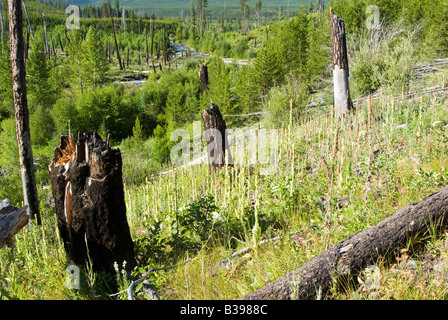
{"x":216,"y":216}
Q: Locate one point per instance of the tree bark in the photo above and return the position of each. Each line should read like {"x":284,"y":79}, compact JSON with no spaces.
{"x":12,"y":220}
{"x":146,"y":44}
{"x":347,"y":258}
{"x":87,"y":185}
{"x":152,"y":37}
{"x":21,"y":109}
{"x":164,"y":45}
{"x":203,"y":77}
{"x":216,"y":137}
{"x":342,"y":101}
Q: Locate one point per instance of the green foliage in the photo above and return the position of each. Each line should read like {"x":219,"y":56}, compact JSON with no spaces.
{"x":38,"y":73}
{"x":219,"y":85}
{"x":161,"y":146}
{"x":386,"y":62}
{"x":94,"y":64}
{"x":6,"y":97}
{"x":107,"y":102}
{"x":42,"y":126}
{"x":196,"y":223}
{"x":10,"y":178}
{"x":285,"y":102}
{"x":63,"y":112}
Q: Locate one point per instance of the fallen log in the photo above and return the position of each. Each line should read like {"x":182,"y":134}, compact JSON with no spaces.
{"x":350,"y":256}
{"x":12,"y":220}
{"x":86,"y":180}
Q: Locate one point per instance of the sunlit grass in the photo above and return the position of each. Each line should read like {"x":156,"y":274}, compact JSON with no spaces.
{"x":399,"y":166}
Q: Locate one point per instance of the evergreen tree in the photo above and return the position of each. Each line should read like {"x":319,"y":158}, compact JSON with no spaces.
{"x":94,"y":63}
{"x":74,"y":61}
{"x":219,"y":85}
{"x":38,"y":73}
{"x":6,"y":97}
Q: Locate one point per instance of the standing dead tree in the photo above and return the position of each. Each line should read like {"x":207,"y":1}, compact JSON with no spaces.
{"x":87,"y":184}
{"x":203,"y":77}
{"x":346,"y":259}
{"x":342,"y":101}
{"x":216,"y":137}
{"x":116,"y":43}
{"x":21,"y":109}
{"x":12,"y":220}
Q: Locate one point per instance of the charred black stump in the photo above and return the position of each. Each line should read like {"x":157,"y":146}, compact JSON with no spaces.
{"x":87,"y":184}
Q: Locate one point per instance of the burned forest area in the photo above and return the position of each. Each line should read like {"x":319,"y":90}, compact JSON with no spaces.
{"x":221,"y":156}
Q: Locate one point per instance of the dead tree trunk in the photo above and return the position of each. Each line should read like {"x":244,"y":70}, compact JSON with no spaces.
{"x":116,"y":43}
{"x":87,"y":185}
{"x":342,"y":101}
{"x":60,"y":42}
{"x":146,"y":43}
{"x":152,"y":38}
{"x":12,"y":220}
{"x":21,"y":109}
{"x":347,"y":258}
{"x":203,"y":77}
{"x":164,"y":45}
{"x":216,"y":137}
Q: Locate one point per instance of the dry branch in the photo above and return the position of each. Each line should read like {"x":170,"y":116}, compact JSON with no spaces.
{"x":347,"y":258}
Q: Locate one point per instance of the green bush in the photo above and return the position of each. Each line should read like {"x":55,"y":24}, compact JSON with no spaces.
{"x":286,"y":101}
{"x":383,"y":59}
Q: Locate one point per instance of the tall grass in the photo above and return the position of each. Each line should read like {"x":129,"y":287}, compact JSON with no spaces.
{"x":380,"y":161}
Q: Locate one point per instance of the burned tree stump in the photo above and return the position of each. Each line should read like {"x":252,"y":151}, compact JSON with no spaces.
{"x":87,"y":185}
{"x":12,"y":220}
{"x":203,"y":77}
{"x":342,"y":101}
{"x":216,"y":137}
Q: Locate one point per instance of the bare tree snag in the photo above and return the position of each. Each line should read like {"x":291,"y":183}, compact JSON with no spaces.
{"x":342,"y":101}
{"x":152,"y":38}
{"x":12,"y":220}
{"x":203,"y":77}
{"x":60,"y":42}
{"x":21,"y":109}
{"x":216,"y":137}
{"x":116,"y":43}
{"x":146,"y":46}
{"x":347,"y":258}
{"x":164,"y":45}
{"x":87,"y":184}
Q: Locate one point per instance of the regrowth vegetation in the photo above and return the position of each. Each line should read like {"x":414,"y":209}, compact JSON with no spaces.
{"x":334,"y":177}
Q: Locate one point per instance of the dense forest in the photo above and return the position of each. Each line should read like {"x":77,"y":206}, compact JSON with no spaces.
{"x":270,"y":66}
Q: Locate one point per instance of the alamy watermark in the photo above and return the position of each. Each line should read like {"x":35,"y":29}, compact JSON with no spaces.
{"x":73,"y":280}
{"x":72,"y":21}
{"x":373,"y":20}
{"x":244,"y":146}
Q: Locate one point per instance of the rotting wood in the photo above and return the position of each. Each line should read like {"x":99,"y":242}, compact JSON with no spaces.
{"x":216,"y":137}
{"x":87,"y":185}
{"x":12,"y":220}
{"x":347,"y":258}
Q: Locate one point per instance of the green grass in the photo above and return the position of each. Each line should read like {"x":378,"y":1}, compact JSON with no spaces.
{"x":406,"y":165}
